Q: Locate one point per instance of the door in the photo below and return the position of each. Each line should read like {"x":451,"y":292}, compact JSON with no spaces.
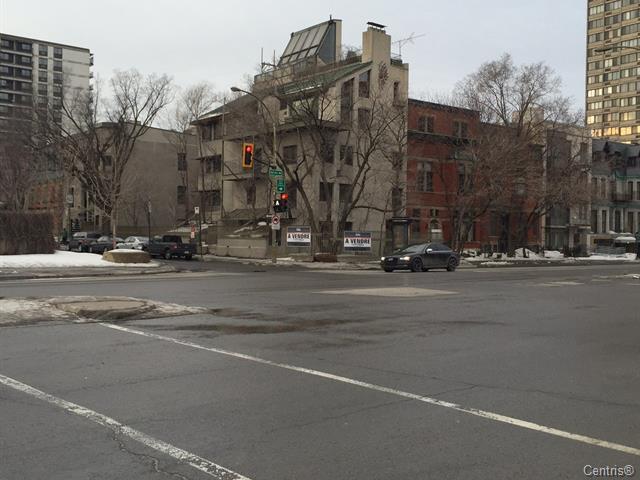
{"x":442,"y":254}
{"x":430,"y":256}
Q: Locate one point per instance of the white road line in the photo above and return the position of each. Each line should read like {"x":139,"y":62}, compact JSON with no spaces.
{"x":202,"y":464}
{"x":413,"y":396}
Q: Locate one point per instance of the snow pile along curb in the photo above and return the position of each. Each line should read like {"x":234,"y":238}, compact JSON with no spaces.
{"x":61,"y":259}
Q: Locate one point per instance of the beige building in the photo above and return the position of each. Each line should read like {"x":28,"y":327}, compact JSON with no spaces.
{"x":613,"y":52}
{"x":340,"y":137}
{"x":159,"y":173}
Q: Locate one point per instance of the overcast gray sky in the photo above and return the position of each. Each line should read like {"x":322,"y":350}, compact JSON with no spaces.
{"x":220,"y":41}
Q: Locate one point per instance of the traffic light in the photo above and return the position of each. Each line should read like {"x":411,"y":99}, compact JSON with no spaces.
{"x":284,"y":202}
{"x":277,"y":205}
{"x":247,"y":155}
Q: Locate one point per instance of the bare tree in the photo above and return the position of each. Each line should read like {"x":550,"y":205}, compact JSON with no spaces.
{"x":190,"y":105}
{"x":523,"y":118}
{"x":97,"y":137}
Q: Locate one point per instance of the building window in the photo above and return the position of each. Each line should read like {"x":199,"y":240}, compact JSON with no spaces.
{"x":42,"y":76}
{"x":57,"y":52}
{"x":396,"y":92}
{"x":251,"y":194}
{"x":25,"y":47}
{"x":594,"y":221}
{"x":364,"y":118}
{"x":211,"y":164}
{"x":57,"y":91}
{"x":346,"y":154}
{"x":206,"y":133}
{"x":6,"y":57}
{"x":344,"y":193}
{"x":43,"y":50}
{"x":426,"y":124}
{"x":182,"y":194}
{"x":326,"y":192}
{"x":43,"y":63}
{"x":213,"y":199}
{"x":346,"y":101}
{"x":630,"y":228}
{"x":605,"y":225}
{"x":182,"y":162}
{"x":424,"y":177}
{"x":57,"y":78}
{"x":290,"y":154}
{"x":57,"y":65}
{"x":460,"y":129}
{"x":603,"y":188}
{"x":617,"y":221}
{"x":461,"y":177}
{"x":364,"y":81}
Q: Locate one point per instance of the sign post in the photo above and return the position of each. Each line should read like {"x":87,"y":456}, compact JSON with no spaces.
{"x":149,"y":220}
{"x":196,"y":210}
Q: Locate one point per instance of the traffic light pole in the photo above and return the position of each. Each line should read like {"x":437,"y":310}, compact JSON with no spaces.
{"x":274,"y":246}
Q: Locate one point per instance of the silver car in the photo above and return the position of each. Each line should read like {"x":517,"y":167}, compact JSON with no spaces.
{"x":134,"y":242}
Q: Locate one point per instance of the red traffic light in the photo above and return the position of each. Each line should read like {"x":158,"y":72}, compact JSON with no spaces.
{"x":284,"y":196}
{"x":248,"y":148}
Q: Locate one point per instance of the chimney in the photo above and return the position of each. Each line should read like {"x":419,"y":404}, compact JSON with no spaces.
{"x":376,"y":44}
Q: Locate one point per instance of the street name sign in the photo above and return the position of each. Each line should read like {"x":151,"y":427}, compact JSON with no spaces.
{"x":276,"y":172}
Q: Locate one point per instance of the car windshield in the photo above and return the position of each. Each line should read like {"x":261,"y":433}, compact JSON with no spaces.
{"x":104,"y":239}
{"x":412,"y":249}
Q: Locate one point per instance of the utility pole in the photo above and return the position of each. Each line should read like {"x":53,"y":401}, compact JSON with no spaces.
{"x":149,"y":219}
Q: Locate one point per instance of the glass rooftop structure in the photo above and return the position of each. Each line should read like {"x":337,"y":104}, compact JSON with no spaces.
{"x":319,"y":40}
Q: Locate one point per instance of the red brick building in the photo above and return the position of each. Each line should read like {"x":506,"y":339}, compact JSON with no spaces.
{"x":437,"y":164}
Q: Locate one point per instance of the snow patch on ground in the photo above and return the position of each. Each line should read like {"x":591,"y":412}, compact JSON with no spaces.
{"x":61,"y":259}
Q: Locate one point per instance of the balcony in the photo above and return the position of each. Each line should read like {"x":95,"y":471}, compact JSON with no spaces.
{"x":621,"y":197}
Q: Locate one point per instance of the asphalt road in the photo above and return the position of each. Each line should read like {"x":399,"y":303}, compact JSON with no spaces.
{"x":301,"y":374}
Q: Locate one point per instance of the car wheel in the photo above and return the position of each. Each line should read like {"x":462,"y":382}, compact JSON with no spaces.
{"x":187,"y":256}
{"x":451,"y":265}
{"x":167,"y":254}
{"x":388,"y":270}
{"x":416,"y":265}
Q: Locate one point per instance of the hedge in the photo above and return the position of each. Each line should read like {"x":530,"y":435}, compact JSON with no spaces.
{"x":26,"y":232}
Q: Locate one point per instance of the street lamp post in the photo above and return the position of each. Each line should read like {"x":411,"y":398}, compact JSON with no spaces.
{"x":274,"y":255}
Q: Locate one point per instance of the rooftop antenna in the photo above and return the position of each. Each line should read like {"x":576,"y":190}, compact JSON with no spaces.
{"x":404,"y":41}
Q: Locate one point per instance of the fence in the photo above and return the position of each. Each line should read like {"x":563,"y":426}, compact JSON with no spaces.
{"x":26,"y":232}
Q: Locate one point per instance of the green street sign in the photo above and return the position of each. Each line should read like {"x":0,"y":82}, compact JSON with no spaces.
{"x":276,"y":172}
{"x":280,"y":185}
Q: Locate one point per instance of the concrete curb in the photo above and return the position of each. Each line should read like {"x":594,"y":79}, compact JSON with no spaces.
{"x":465,"y":265}
{"x":80,"y":273}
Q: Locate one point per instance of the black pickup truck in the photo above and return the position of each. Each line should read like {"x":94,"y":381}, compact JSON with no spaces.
{"x":171,"y":246}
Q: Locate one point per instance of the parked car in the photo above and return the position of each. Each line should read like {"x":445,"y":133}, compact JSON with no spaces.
{"x":103,"y":244}
{"x":171,"y":246}
{"x":420,"y":258}
{"x":134,"y":242}
{"x":80,"y":241}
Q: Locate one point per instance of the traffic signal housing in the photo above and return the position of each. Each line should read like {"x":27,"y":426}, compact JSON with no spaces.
{"x":284,"y":202}
{"x":247,"y":155}
{"x":281,"y":203}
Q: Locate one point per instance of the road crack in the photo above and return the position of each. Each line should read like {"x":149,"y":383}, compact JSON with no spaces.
{"x":154,"y":462}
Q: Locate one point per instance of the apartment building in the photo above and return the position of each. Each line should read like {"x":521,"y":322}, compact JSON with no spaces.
{"x":323,"y":102}
{"x":39,"y":73}
{"x":615,"y":191}
{"x":612,"y":74}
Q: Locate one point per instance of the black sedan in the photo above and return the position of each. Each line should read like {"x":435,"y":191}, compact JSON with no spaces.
{"x":103,"y":244}
{"x":420,"y":258}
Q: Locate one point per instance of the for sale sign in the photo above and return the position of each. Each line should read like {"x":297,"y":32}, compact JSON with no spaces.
{"x":357,"y":241}
{"x":298,"y":236}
